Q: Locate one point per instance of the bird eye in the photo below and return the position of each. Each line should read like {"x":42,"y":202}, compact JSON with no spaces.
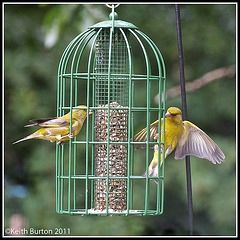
{"x":174,"y":114}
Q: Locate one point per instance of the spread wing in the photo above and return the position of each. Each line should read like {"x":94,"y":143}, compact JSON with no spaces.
{"x":194,"y":141}
{"x":142,"y":135}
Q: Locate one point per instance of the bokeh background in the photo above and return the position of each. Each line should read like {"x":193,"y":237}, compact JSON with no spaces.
{"x":35,"y":36}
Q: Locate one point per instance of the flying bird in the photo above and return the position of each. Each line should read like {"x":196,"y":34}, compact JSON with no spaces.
{"x":183,"y":136}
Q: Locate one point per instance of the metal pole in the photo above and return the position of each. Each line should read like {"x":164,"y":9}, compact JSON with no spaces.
{"x":184,"y":108}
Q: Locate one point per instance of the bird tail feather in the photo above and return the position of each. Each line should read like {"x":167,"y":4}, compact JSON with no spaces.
{"x":23,"y":139}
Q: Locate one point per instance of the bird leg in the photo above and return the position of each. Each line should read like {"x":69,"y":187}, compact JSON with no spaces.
{"x":68,"y":135}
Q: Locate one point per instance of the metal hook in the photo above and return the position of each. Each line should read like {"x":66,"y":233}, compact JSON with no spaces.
{"x":112,"y":5}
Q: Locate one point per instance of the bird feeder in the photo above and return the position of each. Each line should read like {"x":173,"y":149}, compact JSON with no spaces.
{"x":95,"y":171}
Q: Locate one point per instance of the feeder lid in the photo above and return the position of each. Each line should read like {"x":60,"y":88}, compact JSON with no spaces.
{"x":117,"y":24}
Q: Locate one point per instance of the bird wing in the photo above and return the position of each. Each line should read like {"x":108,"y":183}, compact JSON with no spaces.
{"x":194,"y":141}
{"x":49,"y":122}
{"x":142,"y":135}
{"x":41,"y":120}
{"x":36,"y":122}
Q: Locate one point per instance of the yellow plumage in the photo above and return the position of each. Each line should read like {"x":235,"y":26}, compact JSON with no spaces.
{"x":183,"y":136}
{"x":58,"y":129}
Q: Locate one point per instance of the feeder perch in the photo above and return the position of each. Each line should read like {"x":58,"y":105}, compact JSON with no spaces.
{"x":102,"y":60}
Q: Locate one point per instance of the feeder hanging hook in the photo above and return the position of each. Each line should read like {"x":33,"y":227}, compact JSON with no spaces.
{"x":112,"y":5}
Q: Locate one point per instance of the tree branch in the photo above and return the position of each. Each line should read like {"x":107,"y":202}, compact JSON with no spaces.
{"x":200,"y":82}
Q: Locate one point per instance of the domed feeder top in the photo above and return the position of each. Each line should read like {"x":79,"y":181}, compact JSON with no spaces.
{"x":117,"y":23}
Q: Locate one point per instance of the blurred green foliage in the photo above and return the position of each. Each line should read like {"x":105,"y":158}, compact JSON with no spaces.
{"x":35,"y":36}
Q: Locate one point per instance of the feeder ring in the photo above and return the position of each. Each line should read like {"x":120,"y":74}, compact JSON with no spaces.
{"x":110,"y":5}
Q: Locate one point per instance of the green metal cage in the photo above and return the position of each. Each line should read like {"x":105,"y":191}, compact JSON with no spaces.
{"x":96,"y":171}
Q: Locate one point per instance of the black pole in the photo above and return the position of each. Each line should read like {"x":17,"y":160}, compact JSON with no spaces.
{"x":184,"y":109}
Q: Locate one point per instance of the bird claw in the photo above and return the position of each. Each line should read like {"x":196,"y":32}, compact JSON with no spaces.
{"x":70,"y":135}
{"x":60,"y":143}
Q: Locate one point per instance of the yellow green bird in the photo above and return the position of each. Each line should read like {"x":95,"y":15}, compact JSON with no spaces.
{"x":58,"y":129}
{"x":183,"y":136}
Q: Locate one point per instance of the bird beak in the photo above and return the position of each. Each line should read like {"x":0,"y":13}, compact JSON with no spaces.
{"x":168,"y":114}
{"x":90,"y":112}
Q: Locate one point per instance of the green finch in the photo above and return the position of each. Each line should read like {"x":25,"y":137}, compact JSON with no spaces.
{"x":58,"y":129}
{"x":183,"y":136}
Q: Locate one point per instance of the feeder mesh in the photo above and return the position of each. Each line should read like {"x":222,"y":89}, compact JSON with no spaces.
{"x":119,"y":68}
{"x":111,"y":122}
